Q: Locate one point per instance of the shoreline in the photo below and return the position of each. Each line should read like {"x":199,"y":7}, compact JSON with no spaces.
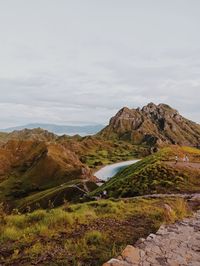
{"x":111,"y":169}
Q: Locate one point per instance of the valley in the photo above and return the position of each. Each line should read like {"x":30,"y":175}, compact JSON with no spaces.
{"x":52,"y":209}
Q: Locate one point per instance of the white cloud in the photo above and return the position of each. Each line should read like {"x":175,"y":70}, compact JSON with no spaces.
{"x":63,"y":61}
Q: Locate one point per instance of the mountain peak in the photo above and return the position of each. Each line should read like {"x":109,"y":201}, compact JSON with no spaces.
{"x":152,"y":124}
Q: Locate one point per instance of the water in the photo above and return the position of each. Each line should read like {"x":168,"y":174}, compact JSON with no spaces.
{"x":110,"y":170}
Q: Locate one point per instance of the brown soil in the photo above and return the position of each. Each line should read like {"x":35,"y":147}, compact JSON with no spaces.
{"x":120,"y":232}
{"x":184,"y":165}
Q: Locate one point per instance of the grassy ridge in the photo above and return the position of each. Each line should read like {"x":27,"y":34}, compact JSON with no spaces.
{"x":72,"y":191}
{"x":33,"y":170}
{"x":155,"y":174}
{"x":82,"y":234}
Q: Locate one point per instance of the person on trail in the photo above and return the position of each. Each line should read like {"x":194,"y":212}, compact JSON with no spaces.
{"x":187,"y":158}
{"x":104,"y":194}
{"x":176,"y":159}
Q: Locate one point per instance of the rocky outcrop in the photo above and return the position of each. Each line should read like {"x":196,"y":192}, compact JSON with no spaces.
{"x":172,"y":245}
{"x":153,"y":124}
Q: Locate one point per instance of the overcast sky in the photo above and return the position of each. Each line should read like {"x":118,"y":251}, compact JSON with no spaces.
{"x":65,"y":61}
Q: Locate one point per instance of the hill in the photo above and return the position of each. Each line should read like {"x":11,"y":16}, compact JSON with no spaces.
{"x":36,"y":134}
{"x":60,"y":129}
{"x":37,"y":166}
{"x":157,"y":174}
{"x":153,"y":124}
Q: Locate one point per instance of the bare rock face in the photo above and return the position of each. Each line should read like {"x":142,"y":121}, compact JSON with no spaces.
{"x":153,"y":124}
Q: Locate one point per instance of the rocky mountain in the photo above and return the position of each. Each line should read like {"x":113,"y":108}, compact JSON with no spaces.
{"x":153,"y":124}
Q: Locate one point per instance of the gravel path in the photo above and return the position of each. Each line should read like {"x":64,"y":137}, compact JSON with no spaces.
{"x":172,"y":245}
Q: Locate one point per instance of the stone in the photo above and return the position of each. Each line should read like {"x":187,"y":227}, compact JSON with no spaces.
{"x":140,"y":241}
{"x":156,"y":249}
{"x":142,"y":253}
{"x":150,"y":237}
{"x":116,"y":262}
{"x":131,"y":254}
{"x":119,"y":258}
{"x":172,"y":262}
{"x":172,"y":245}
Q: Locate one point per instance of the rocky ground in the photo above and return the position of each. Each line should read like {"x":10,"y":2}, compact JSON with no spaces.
{"x":172,"y":245}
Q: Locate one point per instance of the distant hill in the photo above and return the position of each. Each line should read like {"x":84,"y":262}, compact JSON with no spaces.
{"x":60,"y":129}
{"x":153,"y":124}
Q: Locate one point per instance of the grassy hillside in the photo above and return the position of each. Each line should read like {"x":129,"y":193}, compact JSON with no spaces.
{"x":95,"y":151}
{"x":157,"y":174}
{"x":37,"y":166}
{"x":82,"y":234}
{"x":31,"y":168}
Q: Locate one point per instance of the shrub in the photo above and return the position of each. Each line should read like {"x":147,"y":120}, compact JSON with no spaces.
{"x":57,"y":218}
{"x":11,"y":233}
{"x":35,"y":249}
{"x":18,"y":221}
{"x":40,"y":229}
{"x":93,"y":238}
{"x":106,"y":208}
{"x":36,"y":216}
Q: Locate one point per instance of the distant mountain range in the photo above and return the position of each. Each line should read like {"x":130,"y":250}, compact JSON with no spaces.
{"x":60,"y":129}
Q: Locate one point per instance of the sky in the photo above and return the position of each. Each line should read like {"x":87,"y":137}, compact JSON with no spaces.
{"x":80,"y":61}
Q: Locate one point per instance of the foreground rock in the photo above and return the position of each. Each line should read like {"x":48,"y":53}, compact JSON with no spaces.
{"x":172,"y":245}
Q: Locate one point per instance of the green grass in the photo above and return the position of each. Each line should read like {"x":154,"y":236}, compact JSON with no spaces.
{"x":83,"y":234}
{"x":153,"y":175}
{"x":34,"y":176}
{"x":119,"y":151}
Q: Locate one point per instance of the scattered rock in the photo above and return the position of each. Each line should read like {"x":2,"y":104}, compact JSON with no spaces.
{"x":116,"y":262}
{"x":131,"y":254}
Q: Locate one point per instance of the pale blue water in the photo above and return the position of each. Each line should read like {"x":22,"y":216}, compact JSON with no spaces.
{"x":110,"y":170}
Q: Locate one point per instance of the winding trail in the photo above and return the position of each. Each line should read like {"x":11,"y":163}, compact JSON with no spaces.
{"x":173,"y":245}
{"x":194,"y":165}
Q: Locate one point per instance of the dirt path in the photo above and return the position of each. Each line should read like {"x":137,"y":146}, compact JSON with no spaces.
{"x":184,"y":164}
{"x":173,"y":245}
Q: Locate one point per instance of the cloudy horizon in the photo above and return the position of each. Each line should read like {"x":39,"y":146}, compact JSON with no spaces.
{"x":78,"y":61}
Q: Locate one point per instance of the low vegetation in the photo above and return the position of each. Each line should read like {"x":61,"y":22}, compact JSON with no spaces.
{"x":36,"y":166}
{"x":82,"y":234}
{"x":115,"y":152}
{"x":156,"y":173}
